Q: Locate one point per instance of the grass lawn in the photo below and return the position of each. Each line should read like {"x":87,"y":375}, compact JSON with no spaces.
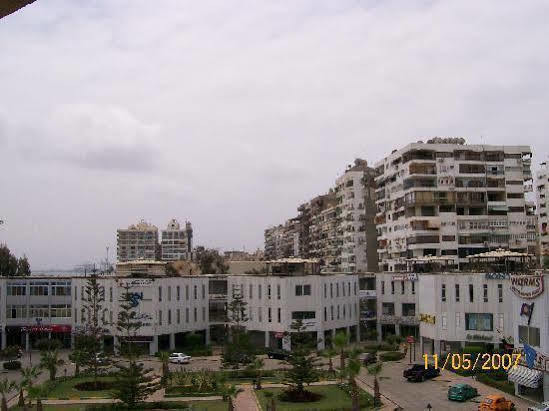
{"x":64,"y":388}
{"x":334,"y":399}
{"x":75,"y":407}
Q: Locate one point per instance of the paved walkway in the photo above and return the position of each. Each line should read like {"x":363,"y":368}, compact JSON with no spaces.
{"x":245,"y":400}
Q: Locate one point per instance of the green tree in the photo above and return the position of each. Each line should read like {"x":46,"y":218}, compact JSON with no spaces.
{"x":375,"y":370}
{"x":302,"y":360}
{"x":6,"y":386}
{"x":237,"y":348}
{"x":50,"y":360}
{"x":210,"y":261}
{"x":134,"y":381}
{"x":257,"y":365}
{"x":340,"y":343}
{"x":352,"y":370}
{"x":10,"y":265}
{"x":28,"y":374}
{"x":329,"y":354}
{"x":23,"y":266}
{"x":164,"y":358}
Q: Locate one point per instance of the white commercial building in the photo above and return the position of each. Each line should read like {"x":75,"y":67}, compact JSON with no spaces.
{"x":446,"y":198}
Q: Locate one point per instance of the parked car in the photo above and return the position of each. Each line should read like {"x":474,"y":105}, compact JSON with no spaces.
{"x":367,"y":358}
{"x":496,"y":402}
{"x":461,"y":392}
{"x":418,"y":372}
{"x":179,"y":358}
{"x":278,"y":354}
{"x":544,"y":406}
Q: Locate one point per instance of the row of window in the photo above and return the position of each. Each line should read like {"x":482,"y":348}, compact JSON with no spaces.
{"x":39,"y":311}
{"x":475,"y":321}
{"x":345,"y":289}
{"x":178,"y":292}
{"x":178,"y":316}
{"x":402,"y":287}
{"x":57,"y":288}
{"x":471,"y":293}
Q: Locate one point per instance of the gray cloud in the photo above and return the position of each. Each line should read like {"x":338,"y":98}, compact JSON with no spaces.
{"x":231,"y":115}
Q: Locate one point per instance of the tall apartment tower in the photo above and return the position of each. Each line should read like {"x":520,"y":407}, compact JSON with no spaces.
{"x":355,"y":191}
{"x":446,"y":198}
{"x":137,"y":242}
{"x":542,"y":197}
{"x":176,"y":242}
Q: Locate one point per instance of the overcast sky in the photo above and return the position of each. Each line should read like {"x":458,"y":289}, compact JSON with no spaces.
{"x":231,"y":113}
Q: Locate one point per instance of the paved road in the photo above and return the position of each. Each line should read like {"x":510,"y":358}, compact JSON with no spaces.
{"x":416,"y":396}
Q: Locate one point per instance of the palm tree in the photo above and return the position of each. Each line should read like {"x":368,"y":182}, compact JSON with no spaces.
{"x":28,"y":374}
{"x":50,"y":361}
{"x":5,"y":387}
{"x":375,"y":370}
{"x":351,"y":371}
{"x":329,"y":354}
{"x":340,"y":342}
{"x":164,"y":358}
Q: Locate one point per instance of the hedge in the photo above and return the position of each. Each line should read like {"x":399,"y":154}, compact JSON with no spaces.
{"x":12,"y":365}
{"x":391,"y":356}
{"x":504,"y":386}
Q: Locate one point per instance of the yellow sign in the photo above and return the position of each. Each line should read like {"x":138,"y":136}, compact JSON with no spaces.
{"x":427,"y":318}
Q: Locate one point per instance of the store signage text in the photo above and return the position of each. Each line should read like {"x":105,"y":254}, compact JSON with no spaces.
{"x":478,"y":337}
{"x":427,"y":318}
{"x":496,"y":276}
{"x":405,"y":277}
{"x":527,"y":286}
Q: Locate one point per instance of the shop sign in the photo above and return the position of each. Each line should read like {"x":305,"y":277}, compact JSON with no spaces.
{"x":526,"y":285}
{"x":478,"y":337}
{"x":55,"y":328}
{"x":496,"y":276}
{"x":427,"y":318}
{"x":136,"y":282}
{"x":405,"y":277}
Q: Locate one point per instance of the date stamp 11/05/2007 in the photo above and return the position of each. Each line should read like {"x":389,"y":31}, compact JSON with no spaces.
{"x":461,"y":361}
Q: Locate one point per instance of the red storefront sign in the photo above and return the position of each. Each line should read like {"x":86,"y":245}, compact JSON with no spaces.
{"x":55,"y":328}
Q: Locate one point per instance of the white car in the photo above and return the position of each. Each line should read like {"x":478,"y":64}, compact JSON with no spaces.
{"x":179,"y":358}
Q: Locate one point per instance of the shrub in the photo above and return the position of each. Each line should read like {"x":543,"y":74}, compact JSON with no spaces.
{"x":473,"y":349}
{"x":12,"y":365}
{"x":10,"y":353}
{"x":391,"y":356}
{"x":371,"y":350}
{"x":93,"y":386}
{"x":299,"y":396}
{"x":504,"y":386}
{"x":388,"y":347}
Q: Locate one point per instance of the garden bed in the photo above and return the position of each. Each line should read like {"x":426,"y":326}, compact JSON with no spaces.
{"x":66,"y":388}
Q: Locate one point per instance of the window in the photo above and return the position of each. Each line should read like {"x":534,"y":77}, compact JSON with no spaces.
{"x":187,"y":292}
{"x":501,"y":322}
{"x":325,"y":290}
{"x":457,"y":293}
{"x":408,"y":309}
{"x":402,"y":287}
{"x":413,"y":287}
{"x":443,"y":293}
{"x":260,"y":313}
{"x":388,"y":308}
{"x":298,"y":290}
{"x":458,"y":320}
{"x":331,"y":290}
{"x":39,"y":288}
{"x":110,"y":316}
{"x":250,"y":291}
{"x":159,"y":293}
{"x":159,"y":317}
{"x":203,"y":291}
{"x":343,"y":289}
{"x":529,"y":335}
{"x":383,"y":287}
{"x":178,"y":315}
{"x":75,"y":294}
{"x":195,"y":292}
{"x":344,"y":311}
{"x":251,"y":313}
{"x":40,"y":311}
{"x":169,"y":293}
{"x":500,"y":293}
{"x":17,"y":311}
{"x":479,"y":322}
{"x":178,"y":293}
{"x":485,"y":292}
{"x":325,"y":313}
{"x":195,"y":312}
{"x":392,"y":287}
{"x":169,"y":315}
{"x":204,"y":314}
{"x":269,"y":291}
{"x":444,"y":321}
{"x":75,"y":315}
{"x":303,"y":315}
{"x":349,"y":288}
{"x":471,"y":293}
{"x":337,"y":290}
{"x":332,"y":312}
{"x":338,"y":312}
{"x":110,"y":294}
{"x":16,"y":289}
{"x":307,"y":289}
{"x":62,"y":288}
{"x":186,"y":315}
{"x":269,"y":315}
{"x":61,"y":311}
{"x":278,"y":291}
{"x":354,"y":285}
{"x":279,"y":314}
{"x":259,"y":291}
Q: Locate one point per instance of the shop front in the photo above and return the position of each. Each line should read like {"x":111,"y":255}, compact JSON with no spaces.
{"x":27,"y":336}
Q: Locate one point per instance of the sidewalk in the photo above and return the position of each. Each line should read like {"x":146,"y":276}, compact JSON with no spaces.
{"x":245,"y":400}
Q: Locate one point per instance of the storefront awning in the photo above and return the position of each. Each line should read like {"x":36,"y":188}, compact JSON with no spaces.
{"x":525,"y":376}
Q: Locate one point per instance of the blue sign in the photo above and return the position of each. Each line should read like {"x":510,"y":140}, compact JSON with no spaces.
{"x":135,"y":298}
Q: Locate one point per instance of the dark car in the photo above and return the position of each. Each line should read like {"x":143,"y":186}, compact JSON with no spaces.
{"x":418,"y":372}
{"x":278,"y":354}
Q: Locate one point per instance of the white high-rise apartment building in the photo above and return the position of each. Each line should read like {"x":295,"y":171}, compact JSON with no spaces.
{"x":542,"y":196}
{"x":137,"y":242}
{"x":446,"y":198}
{"x":354,"y":189}
{"x":176,"y":242}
